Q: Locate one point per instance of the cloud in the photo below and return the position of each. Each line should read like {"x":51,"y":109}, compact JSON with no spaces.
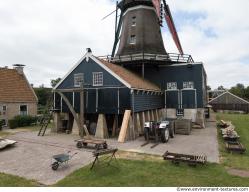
{"x":50,"y":36}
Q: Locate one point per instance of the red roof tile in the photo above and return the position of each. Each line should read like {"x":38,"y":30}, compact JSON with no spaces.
{"x":14,"y":87}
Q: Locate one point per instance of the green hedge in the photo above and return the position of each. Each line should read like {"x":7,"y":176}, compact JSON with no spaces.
{"x":22,"y":121}
{"x":1,"y":124}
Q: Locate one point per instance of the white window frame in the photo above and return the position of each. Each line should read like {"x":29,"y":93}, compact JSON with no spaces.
{"x":133,"y":40}
{"x":98,"y":79}
{"x":188,"y":85}
{"x":4,"y":106}
{"x":20,"y":109}
{"x":172,"y":86}
{"x":77,"y":78}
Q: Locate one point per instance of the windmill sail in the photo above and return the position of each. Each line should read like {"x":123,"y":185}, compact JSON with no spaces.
{"x":172,"y":28}
{"x":157,"y":5}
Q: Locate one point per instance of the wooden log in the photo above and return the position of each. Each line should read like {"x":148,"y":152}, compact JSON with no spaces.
{"x":124,"y":127}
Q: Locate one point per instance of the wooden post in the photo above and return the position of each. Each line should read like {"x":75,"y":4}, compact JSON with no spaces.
{"x":73,"y":112}
{"x":82,"y":120}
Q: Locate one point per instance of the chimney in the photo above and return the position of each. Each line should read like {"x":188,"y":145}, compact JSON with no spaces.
{"x":19,"y":68}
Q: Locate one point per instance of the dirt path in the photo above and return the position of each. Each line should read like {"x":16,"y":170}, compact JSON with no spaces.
{"x":238,"y":172}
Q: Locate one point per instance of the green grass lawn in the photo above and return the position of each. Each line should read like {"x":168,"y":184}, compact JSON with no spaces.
{"x":241,"y":123}
{"x":14,"y":181}
{"x":152,"y":173}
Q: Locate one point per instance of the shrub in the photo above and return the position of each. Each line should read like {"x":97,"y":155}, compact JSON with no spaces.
{"x":22,"y":121}
{"x":1,"y":124}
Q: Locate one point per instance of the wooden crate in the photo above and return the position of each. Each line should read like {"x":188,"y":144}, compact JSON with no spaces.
{"x":183,"y":126}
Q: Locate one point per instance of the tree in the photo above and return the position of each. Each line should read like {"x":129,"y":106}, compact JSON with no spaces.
{"x":43,"y":94}
{"x":238,"y":90}
{"x":54,"y":82}
{"x":208,"y":88}
{"x":221,"y":87}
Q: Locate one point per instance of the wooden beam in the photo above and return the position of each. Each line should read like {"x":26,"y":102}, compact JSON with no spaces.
{"x":73,"y":112}
{"x":124,"y":127}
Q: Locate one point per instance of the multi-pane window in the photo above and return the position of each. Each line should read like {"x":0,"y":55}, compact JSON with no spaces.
{"x":97,"y":79}
{"x":23,"y":110}
{"x":4,"y":109}
{"x":188,"y":85}
{"x":78,"y":78}
{"x":172,"y":86}
{"x":133,"y":21}
{"x":133,"y":39}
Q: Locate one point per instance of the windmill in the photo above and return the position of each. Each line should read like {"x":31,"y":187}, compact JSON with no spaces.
{"x":137,"y":28}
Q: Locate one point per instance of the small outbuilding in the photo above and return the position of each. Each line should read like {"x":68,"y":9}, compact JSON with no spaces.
{"x":229,"y":101}
{"x":17,"y":97}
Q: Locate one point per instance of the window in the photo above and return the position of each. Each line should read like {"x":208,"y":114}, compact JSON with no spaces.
{"x":172,"y":86}
{"x":133,"y":24}
{"x":188,"y":85}
{"x":78,"y":78}
{"x":97,"y":79}
{"x":133,"y":39}
{"x":4,"y":108}
{"x":23,"y":110}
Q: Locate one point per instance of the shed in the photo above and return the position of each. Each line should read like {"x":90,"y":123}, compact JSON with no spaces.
{"x":229,"y":101}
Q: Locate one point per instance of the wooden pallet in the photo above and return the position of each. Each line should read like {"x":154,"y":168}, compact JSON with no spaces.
{"x":235,"y":146}
{"x":193,"y":160}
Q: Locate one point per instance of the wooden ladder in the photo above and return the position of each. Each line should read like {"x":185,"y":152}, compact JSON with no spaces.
{"x":44,"y":123}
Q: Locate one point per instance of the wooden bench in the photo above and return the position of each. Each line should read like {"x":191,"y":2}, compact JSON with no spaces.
{"x":110,"y":155}
{"x":99,"y":144}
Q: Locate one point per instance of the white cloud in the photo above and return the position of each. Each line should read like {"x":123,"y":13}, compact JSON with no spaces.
{"x":49,"y":36}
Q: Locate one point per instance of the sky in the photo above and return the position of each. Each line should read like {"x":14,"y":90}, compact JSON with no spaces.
{"x":50,"y":36}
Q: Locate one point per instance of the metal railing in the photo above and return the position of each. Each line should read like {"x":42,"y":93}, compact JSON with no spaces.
{"x":169,"y":57}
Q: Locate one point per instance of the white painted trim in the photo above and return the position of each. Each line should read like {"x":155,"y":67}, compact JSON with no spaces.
{"x":139,"y":7}
{"x":61,"y":104}
{"x":94,"y":75}
{"x":73,"y":99}
{"x":230,"y":94}
{"x":71,"y":70}
{"x":89,"y":55}
{"x":110,"y":71}
{"x":195,"y":96}
{"x":54,"y":100}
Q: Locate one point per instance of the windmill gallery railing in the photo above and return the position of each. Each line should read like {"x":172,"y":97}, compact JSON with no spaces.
{"x":170,"y":58}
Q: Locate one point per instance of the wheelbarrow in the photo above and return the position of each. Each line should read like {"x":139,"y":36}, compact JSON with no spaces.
{"x":61,"y":159}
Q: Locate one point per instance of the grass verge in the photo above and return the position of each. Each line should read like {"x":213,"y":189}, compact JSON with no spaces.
{"x":233,"y":160}
{"x":15,"y":181}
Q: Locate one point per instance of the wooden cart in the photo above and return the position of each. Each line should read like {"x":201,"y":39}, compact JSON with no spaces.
{"x":192,"y":160}
{"x":98,"y":144}
{"x":235,"y":146}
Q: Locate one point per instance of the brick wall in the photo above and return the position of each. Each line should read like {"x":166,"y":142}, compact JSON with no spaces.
{"x":13,"y":109}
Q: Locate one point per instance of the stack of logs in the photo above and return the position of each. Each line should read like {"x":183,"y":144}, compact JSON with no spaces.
{"x":231,"y":137}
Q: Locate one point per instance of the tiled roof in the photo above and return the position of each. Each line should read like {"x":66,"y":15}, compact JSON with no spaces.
{"x":14,"y":87}
{"x":133,"y":79}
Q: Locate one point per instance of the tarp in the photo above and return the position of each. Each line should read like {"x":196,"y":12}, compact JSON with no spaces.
{"x":6,"y":142}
